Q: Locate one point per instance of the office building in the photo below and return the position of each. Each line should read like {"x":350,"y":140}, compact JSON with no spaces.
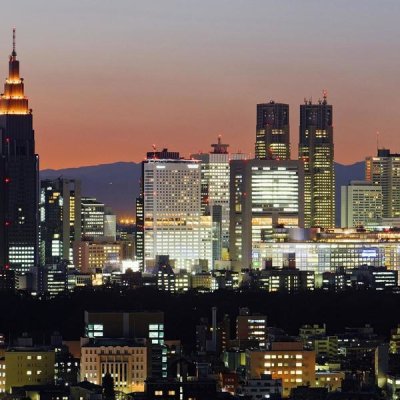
{"x":215,"y":193}
{"x":265,"y":194}
{"x":18,"y":176}
{"x":361,"y":205}
{"x":287,"y":279}
{"x":272,"y":131}
{"x":287,"y":361}
{"x":384,"y":171}
{"x":60,"y":219}
{"x":91,"y":255}
{"x":173,"y":222}
{"x":251,"y":327}
{"x":316,"y":151}
{"x":124,"y":359}
{"x":132,"y":325}
{"x":327,"y":251}
{"x":29,"y":366}
{"x":139,"y":232}
{"x":264,"y":387}
{"x":93,"y":212}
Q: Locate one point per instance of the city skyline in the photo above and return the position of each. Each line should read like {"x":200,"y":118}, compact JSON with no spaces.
{"x":229,"y":60}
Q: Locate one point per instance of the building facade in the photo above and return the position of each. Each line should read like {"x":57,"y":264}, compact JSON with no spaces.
{"x":384,"y":171}
{"x":265,"y":194}
{"x":361,"y":205}
{"x":174,"y":224}
{"x":316,"y":150}
{"x":272,"y":131}
{"x":93,"y":213}
{"x":60,"y":219}
{"x":18,"y":176}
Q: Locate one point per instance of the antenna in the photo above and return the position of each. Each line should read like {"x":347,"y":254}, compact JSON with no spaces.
{"x":14,"y":53}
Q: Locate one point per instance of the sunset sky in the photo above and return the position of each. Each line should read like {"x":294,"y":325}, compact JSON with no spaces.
{"x":107,"y":79}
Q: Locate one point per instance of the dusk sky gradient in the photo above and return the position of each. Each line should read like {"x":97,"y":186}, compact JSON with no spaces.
{"x":107,"y":79}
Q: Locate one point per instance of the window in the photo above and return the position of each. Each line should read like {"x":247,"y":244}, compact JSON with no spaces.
{"x":158,"y":393}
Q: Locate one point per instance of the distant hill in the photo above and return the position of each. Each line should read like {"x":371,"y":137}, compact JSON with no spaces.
{"x":117,"y":184}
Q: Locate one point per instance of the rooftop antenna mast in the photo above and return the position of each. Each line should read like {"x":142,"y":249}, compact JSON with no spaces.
{"x":14,"y":52}
{"x":377,"y":140}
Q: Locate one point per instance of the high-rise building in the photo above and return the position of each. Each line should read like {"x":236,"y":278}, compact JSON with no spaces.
{"x":384,"y":170}
{"x":60,"y":219}
{"x":272,"y":132}
{"x":18,"y":176}
{"x":264,"y":194}
{"x":316,"y":150}
{"x":93,"y":212}
{"x":215,"y":193}
{"x":173,"y":222}
{"x":361,"y":204}
{"x":139,"y":232}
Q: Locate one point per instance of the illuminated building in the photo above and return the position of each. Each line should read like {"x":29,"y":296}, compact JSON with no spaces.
{"x":173,"y":222}
{"x":125,"y":360}
{"x":132,"y":325}
{"x":18,"y":176}
{"x":91,"y":255}
{"x":251,"y":327}
{"x":287,"y":279}
{"x":327,"y":251}
{"x":215,"y":193}
{"x":93,"y":212}
{"x":139,"y":233}
{"x":29,"y":366}
{"x":60,"y":219}
{"x":384,"y":171}
{"x":287,"y":361}
{"x":316,"y":150}
{"x":264,"y":194}
{"x":264,"y":387}
{"x":361,"y":204}
{"x":272,"y":132}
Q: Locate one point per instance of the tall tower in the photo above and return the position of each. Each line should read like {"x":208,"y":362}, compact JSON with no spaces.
{"x":272,"y":134}
{"x":18,"y":176}
{"x":317,"y":152}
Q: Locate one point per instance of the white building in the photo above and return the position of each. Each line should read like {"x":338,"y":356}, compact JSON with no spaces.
{"x":173,"y":220}
{"x":215,"y":171}
{"x":361,"y":204}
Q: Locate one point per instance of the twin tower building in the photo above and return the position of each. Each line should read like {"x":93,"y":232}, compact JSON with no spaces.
{"x":315,"y":152}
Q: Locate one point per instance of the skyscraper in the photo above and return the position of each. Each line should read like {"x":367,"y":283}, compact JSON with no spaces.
{"x":316,"y":150}
{"x":92,"y":215}
{"x":215,"y":193}
{"x":272,"y":135}
{"x":384,"y":170}
{"x":60,"y":219}
{"x":264,"y":195}
{"x":173,"y":222}
{"x":18,"y":176}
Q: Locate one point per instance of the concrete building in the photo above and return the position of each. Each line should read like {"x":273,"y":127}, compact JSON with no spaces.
{"x":265,"y":194}
{"x":361,"y":205}
{"x":251,"y":327}
{"x":29,"y":366}
{"x":125,"y":360}
{"x":92,"y":218}
{"x":264,"y":387}
{"x":286,"y":361}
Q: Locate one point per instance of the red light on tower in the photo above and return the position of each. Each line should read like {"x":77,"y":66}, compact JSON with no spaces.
{"x":7,"y":180}
{"x":7,"y":223}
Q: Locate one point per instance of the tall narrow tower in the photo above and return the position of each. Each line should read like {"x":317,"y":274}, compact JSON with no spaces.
{"x":272,"y":131}
{"x":18,"y":176}
{"x":317,"y":152}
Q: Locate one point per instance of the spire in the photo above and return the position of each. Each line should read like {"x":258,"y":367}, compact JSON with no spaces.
{"x":13,"y":100}
{"x":14,"y":53}
{"x":220,"y":148}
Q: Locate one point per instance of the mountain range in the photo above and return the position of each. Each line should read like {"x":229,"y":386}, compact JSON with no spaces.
{"x":118,"y":184}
